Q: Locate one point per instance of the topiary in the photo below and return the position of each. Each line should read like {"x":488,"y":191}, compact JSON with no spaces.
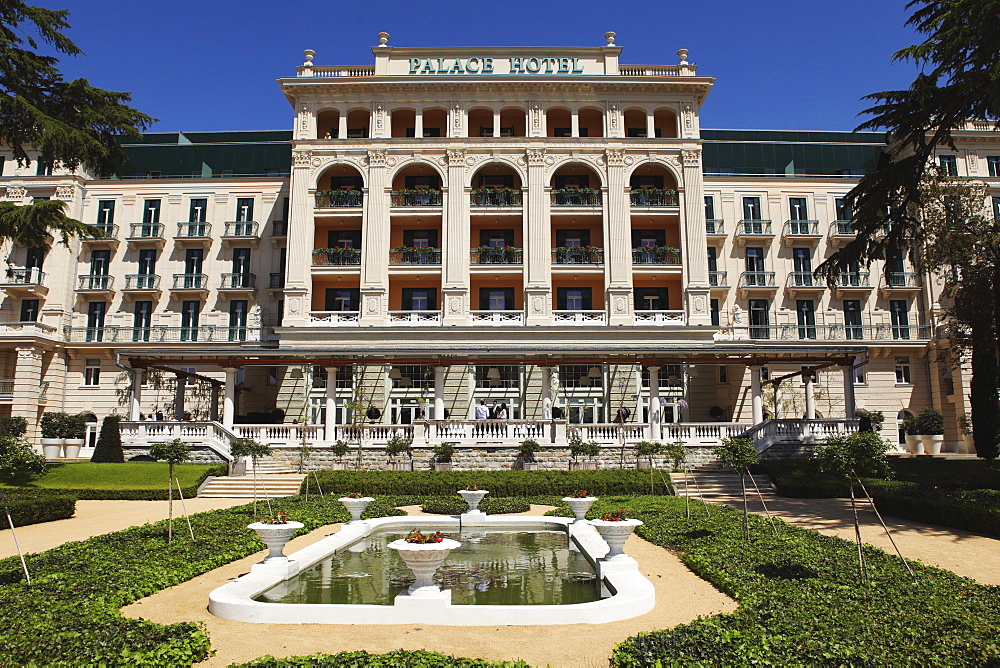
{"x":930,"y":422}
{"x":109,"y":442}
{"x":13,"y":425}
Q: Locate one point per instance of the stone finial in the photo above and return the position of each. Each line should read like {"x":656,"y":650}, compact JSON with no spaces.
{"x":610,"y":37}
{"x":383,"y":39}
{"x":309,"y":54}
{"x":683,"y":55}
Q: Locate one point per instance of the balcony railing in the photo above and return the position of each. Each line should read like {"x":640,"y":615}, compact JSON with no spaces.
{"x":656,"y":255}
{"x":334,"y":318}
{"x":841,"y":332}
{"x":28,"y":276}
{"x":142,"y":282}
{"x":279,"y":228}
{"x":277,"y":280}
{"x":653,"y":197}
{"x":661,"y":318}
{"x":339,"y":199}
{"x":853,"y":279}
{"x":496,"y":197}
{"x":337,"y":257}
{"x":578,"y":255}
{"x":718,"y":279}
{"x":145,"y":231}
{"x":415,"y":255}
{"x":108,"y":231}
{"x":902,"y":279}
{"x":803,"y":279}
{"x":496,"y":255}
{"x":801,"y":228}
{"x":754,"y":227}
{"x":241,"y":228}
{"x":842,"y":228}
{"x":159,"y":334}
{"x":95,"y":282}
{"x":190,"y":282}
{"x":576,"y":197}
{"x":579,"y":317}
{"x":497,"y":318}
{"x":715,"y":226}
{"x":194,"y":230}
{"x":416,"y":197}
{"x":6,"y":387}
{"x":414,"y":318}
{"x":757,"y":279}
{"x":238,"y":281}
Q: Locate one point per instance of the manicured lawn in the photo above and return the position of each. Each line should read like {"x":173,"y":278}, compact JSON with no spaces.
{"x":149,"y":477}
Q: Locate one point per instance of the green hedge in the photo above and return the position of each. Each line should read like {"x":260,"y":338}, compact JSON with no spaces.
{"x":146,"y":494}
{"x":499,"y":483}
{"x":802,"y":601}
{"x":489,"y":505}
{"x":36,"y":507}
{"x":400,"y":658}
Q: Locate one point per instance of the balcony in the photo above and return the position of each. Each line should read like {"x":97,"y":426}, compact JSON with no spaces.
{"x":279,"y":229}
{"x":803,"y":281}
{"x":579,"y":318}
{"x":413,"y":255}
{"x":334,"y":318}
{"x":577,"y":255}
{"x":95,"y":283}
{"x":190,"y":283}
{"x":841,"y":332}
{"x":660,"y":318}
{"x":841,"y":232}
{"x":900,"y":281}
{"x":415,"y":197}
{"x":336,"y":257}
{"x":659,"y":255}
{"x":576,"y":197}
{"x":141,"y":284}
{"x":801,"y":231}
{"x":496,"y":197}
{"x":145,"y":234}
{"x":653,"y":197}
{"x":753,"y":230}
{"x":241,"y":231}
{"x":193,"y":234}
{"x":757,"y":281}
{"x":497,"y":318}
{"x":853,"y":281}
{"x":25,"y":282}
{"x":339,"y":199}
{"x":109,"y":236}
{"x":718,"y":279}
{"x":6,"y":387}
{"x":243,"y":282}
{"x":414,"y":318}
{"x":496,"y":255}
{"x":715,"y":227}
{"x":277,"y":281}
{"x":159,"y":334}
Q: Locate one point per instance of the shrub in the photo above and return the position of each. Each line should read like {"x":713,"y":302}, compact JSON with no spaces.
{"x":399,"y":658}
{"x":877,"y":417}
{"x":444,"y":452}
{"x":73,"y":426}
{"x":247,"y":447}
{"x":340,"y":448}
{"x":50,"y":424}
{"x":930,"y":422}
{"x":397,"y":445}
{"x":676,"y":453}
{"x":527,"y":449}
{"x":13,"y":425}
{"x":37,"y":508}
{"x":578,"y":447}
{"x":489,"y":505}
{"x":109,"y":443}
{"x":18,"y":460}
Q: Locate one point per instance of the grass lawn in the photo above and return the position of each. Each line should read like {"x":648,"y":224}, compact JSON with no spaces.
{"x":127,"y":476}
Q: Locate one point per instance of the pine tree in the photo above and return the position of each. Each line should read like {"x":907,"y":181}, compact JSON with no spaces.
{"x":109,"y":442}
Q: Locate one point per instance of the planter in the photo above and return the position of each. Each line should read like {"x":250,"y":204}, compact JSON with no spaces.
{"x":643,"y":464}
{"x":400,"y":466}
{"x":914,"y":445}
{"x":424,"y":560}
{"x":932,"y":443}
{"x":52,"y":447}
{"x":580,"y":506}
{"x":583,"y":466}
{"x":968,"y":444}
{"x":71,"y":448}
{"x":442,"y":466}
{"x":338,"y":466}
{"x":473,"y":497}
{"x":275,"y":536}
{"x":615,"y":534}
{"x":529,"y":466}
{"x":356,"y":506}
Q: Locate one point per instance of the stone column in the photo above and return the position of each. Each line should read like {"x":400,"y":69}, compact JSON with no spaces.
{"x":342,"y":125}
{"x":455,"y":242}
{"x":810,"y":395}
{"x":375,"y":245}
{"x":213,"y":404}
{"x":27,"y":386}
{"x":537,"y":244}
{"x":695,"y":246}
{"x":179,"y":396}
{"x":135,"y":398}
{"x":650,"y":126}
{"x":618,"y":242}
{"x":849,"y":401}
{"x":654,"y":403}
{"x":755,"y":395}
{"x":439,"y":372}
{"x":229,"y":398}
{"x":418,"y":124}
{"x":574,"y":123}
{"x":331,"y":404}
{"x":547,"y":393}
{"x":298,"y":263}
{"x":496,"y":123}
{"x":777,"y":401}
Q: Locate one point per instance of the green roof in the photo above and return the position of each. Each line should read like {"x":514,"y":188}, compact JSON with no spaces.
{"x":209,"y":154}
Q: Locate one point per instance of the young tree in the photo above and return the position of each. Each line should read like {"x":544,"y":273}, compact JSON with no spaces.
{"x":109,"y":442}
{"x":18,"y":461}
{"x":173,"y":452}
{"x":740,"y":454}
{"x":247,"y":447}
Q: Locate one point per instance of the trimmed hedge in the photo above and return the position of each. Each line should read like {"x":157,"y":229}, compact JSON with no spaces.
{"x":499,"y":483}
{"x":489,"y":505}
{"x":145,"y":494}
{"x":399,"y":658}
{"x":37,"y":507}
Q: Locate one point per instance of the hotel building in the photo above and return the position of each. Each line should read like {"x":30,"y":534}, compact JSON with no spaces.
{"x":545,"y":228}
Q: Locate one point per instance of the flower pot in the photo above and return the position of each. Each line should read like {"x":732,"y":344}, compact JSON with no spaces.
{"x":529,"y":466}
{"x":932,"y":443}
{"x":615,"y":534}
{"x":968,"y":444}
{"x":356,"y":506}
{"x":583,"y":466}
{"x":473,"y":497}
{"x":643,"y":464}
{"x":400,"y":466}
{"x":71,"y":447}
{"x":338,"y":466}
{"x":442,"y":466}
{"x":275,"y":536}
{"x":580,"y":506}
{"x":423,"y":559}
{"x":914,"y":445}
{"x":52,"y":447}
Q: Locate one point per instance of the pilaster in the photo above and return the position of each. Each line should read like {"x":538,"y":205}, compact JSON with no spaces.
{"x":455,"y":236}
{"x":538,"y":243}
{"x":618,"y":242}
{"x":298,"y":279}
{"x":375,"y":244}
{"x":27,"y":386}
{"x":695,"y":246}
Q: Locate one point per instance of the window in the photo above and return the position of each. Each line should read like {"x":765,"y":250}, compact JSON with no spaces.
{"x":241,"y":261}
{"x":996,"y":208}
{"x":992,"y":164}
{"x":431,"y":182}
{"x":92,"y":372}
{"x":147,"y":263}
{"x":845,"y":210}
{"x":342,"y":299}
{"x":344,"y":239}
{"x":573,"y":299}
{"x":581,"y":375}
{"x":420,"y":238}
{"x":496,"y":238}
{"x":151,"y":212}
{"x":190,"y":312}
{"x":105,"y":213}
{"x":244,"y":209}
{"x":493,"y":376}
{"x":572,"y":180}
{"x":852,"y":319}
{"x":652,"y":299}
{"x":193,"y":260}
{"x":272,"y":375}
{"x":496,"y":299}
{"x":755,"y":266}
{"x":949,"y":165}
{"x":805,"y":311}
{"x":802,"y":266}
{"x":751,"y":208}
{"x":238,"y":320}
{"x":43,"y":168}
{"x":100,"y":261}
{"x":29,"y":310}
{"x":723,"y":374}
{"x":899,"y":315}
{"x":141,"y":320}
{"x":419,"y":299}
{"x":903,"y":370}
{"x":714,"y":309}
{"x":759,"y":321}
{"x":670,"y":376}
{"x":859,"y":375}
{"x":96,"y":312}
{"x":797,"y":209}
{"x":406,"y":376}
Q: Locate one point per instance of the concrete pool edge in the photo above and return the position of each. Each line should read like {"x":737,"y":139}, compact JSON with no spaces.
{"x":633,"y":593}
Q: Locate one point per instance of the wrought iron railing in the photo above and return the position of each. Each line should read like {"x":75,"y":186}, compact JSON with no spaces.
{"x":238,"y":281}
{"x":496,"y":255}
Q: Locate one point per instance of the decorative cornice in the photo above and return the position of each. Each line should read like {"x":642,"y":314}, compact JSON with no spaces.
{"x":536,"y":157}
{"x":691,"y":158}
{"x":377,"y":158}
{"x":456,"y":157}
{"x":15,"y":193}
{"x":301,"y":158}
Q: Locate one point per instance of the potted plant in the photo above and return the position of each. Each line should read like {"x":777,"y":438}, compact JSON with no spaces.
{"x":912,"y":428}
{"x":355,"y":504}
{"x":74,"y":433}
{"x":577,"y":448}
{"x":965,"y":426}
{"x":442,"y":456}
{"x":424,"y":554}
{"x":52,"y":438}
{"x":397,"y":445}
{"x":647,"y":450}
{"x":931,"y":428}
{"x":339,"y":449}
{"x":579,"y":502}
{"x":526,"y":453}
{"x":473,"y":495}
{"x":615,"y":528}
{"x":274,"y":532}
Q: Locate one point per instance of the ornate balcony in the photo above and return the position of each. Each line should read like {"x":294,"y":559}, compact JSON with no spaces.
{"x":576,"y":197}
{"x":414,"y":318}
{"x":336,"y":257}
{"x":753,"y":230}
{"x":801,"y":231}
{"x":238,"y":282}
{"x":25,"y":281}
{"x":715,"y":227}
{"x":496,"y":197}
{"x":803,"y":281}
{"x":841,"y":232}
{"x":339,"y":199}
{"x":497,"y":318}
{"x":109,"y":236}
{"x":334,"y":318}
{"x":496,"y":255}
{"x":412,"y":255}
{"x":651,"y":197}
{"x":145,"y":234}
{"x":718,"y":279}
{"x":660,"y":255}
{"x":660,"y":318}
{"x":242,"y":232}
{"x":577,"y":255}
{"x":582,"y":318}
{"x":95,"y":283}
{"x":900,"y":281}
{"x":190,"y":283}
{"x":753,"y":281}
{"x":416,"y":197}
{"x":141,"y":284}
{"x":193,"y":234}
{"x":853,"y":281}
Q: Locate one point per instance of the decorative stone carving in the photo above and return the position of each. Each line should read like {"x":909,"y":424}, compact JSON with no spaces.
{"x":536,"y":115}
{"x":610,"y":37}
{"x":16,"y":192}
{"x":304,"y":118}
{"x":294,"y":304}
{"x":699,"y":304}
{"x":377,"y":158}
{"x":536,"y":157}
{"x":378,"y":113}
{"x":456,"y":157}
{"x":456,"y":112}
{"x":255,"y":316}
{"x":455,"y":305}
{"x":64,"y":192}
{"x":316,"y":162}
{"x":616,"y":158}
{"x":371,"y":305}
{"x":537,"y":305}
{"x":301,"y":158}
{"x":691,"y":158}
{"x":29,"y":353}
{"x":613,"y":114}
{"x":619,"y":304}
{"x":737,"y":315}
{"x":688,"y":116}
{"x":383,"y":39}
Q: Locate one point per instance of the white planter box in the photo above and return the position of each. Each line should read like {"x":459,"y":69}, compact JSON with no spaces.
{"x":932,"y":443}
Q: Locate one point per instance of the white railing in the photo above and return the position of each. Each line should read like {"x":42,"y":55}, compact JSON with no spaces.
{"x":579,"y":317}
{"x":478,"y":431}
{"x":210,"y":434}
{"x":659,"y":317}
{"x":497,"y":318}
{"x":772,"y":432}
{"x":649,"y":70}
{"x":700,"y":433}
{"x":370,"y":434}
{"x":610,"y":433}
{"x":414,"y":318}
{"x":334,"y":318}
{"x":280,"y":434}
{"x":341,"y":71}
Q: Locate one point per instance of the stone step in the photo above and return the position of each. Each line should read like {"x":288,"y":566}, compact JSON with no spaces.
{"x":267,"y":485}
{"x":719,"y":483}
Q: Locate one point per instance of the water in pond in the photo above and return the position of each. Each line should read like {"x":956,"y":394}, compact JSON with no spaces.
{"x":491,"y":568}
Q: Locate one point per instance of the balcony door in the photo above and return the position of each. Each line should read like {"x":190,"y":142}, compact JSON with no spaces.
{"x":759,"y":320}
{"x":573,"y":299}
{"x":419,"y":299}
{"x":496,"y":299}
{"x":100,"y":262}
{"x":96,"y":312}
{"x":805,"y":310}
{"x":150,"y":214}
{"x":752,"y":216}
{"x":147,"y":261}
{"x":652,"y":299}
{"x":142,"y":319}
{"x":194,"y":259}
{"x":852,"y":319}
{"x":899,"y":313}
{"x":802,"y":266}
{"x":342,"y":299}
{"x":241,"y":268}
{"x":238,"y":320}
{"x":190,"y":314}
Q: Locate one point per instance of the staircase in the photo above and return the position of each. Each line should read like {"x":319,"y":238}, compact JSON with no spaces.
{"x":269,"y":485}
{"x":715,"y":482}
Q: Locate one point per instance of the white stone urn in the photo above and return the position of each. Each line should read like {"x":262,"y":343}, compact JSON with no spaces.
{"x":275,"y":536}
{"x":424,"y":559}
{"x":52,"y":447}
{"x":473,"y":497}
{"x":615,"y":534}
{"x":71,"y":447}
{"x":932,"y":443}
{"x":580,"y":505}
{"x":355,"y":506}
{"x":914,"y":444}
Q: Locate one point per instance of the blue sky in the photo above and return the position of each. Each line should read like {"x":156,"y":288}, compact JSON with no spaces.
{"x":212,"y":64}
